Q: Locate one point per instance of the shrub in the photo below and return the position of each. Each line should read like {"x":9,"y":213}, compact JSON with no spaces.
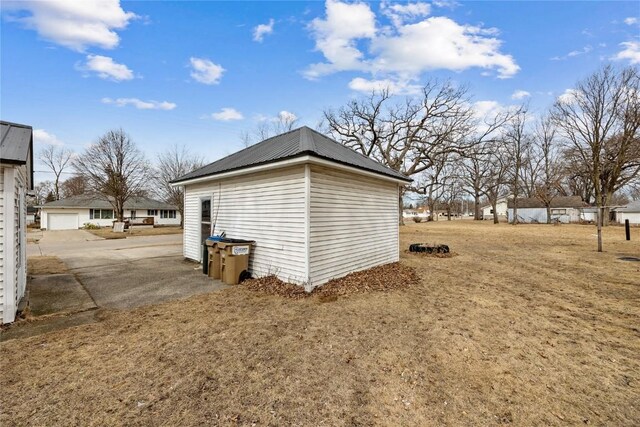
{"x":417,"y":219}
{"x":90,"y":226}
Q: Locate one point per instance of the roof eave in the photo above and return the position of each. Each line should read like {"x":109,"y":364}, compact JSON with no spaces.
{"x":298,"y":158}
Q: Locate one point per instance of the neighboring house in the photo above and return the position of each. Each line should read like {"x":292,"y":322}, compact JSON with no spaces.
{"x":501,"y":208}
{"x":316,"y":209}
{"x":413,"y":213}
{"x":16,"y":178}
{"x":563,"y":209}
{"x":74,"y":212}
{"x":32,"y":214}
{"x":588,"y":214}
{"x":631,"y":212}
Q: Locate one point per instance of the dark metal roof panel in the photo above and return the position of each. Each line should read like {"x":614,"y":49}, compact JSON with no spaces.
{"x":294,"y":143}
{"x":15,"y":142}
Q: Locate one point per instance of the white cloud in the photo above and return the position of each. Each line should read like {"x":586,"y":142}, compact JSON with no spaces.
{"x":573,"y":53}
{"x":139,"y":104}
{"x":106,"y":68}
{"x":630,"y":52}
{"x":631,"y":20}
{"x":227,"y":114}
{"x":398,"y":13}
{"x":441,"y":43}
{"x":205,"y":71}
{"x":75,"y":24}
{"x":406,"y":50}
{"x":569,"y":95}
{"x":395,"y":87}
{"x":520,"y":94}
{"x":336,"y":37}
{"x":262,"y":30}
{"x":286,"y":116}
{"x":41,"y":137}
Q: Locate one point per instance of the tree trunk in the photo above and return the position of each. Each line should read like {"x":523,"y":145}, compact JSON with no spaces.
{"x":548,"y":206}
{"x":494,"y":205}
{"x":400,"y":216}
{"x":514,"y":221}
{"x":476,"y":212}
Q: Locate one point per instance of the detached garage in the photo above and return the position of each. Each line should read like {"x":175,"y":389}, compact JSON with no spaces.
{"x":316,"y":209}
{"x":629,"y":212}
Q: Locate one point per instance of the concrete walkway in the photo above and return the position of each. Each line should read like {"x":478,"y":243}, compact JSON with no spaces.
{"x":109,"y":274}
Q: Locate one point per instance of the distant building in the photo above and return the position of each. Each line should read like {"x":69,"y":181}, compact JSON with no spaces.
{"x":532,"y":210}
{"x":631,"y":212}
{"x":74,"y":212}
{"x":501,"y":208}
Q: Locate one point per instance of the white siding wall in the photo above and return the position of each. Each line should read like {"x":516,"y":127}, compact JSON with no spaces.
{"x":266,"y":207}
{"x":353,"y":223}
{"x":13,"y":236}
{"x":2,"y":249}
{"x":633,"y":217}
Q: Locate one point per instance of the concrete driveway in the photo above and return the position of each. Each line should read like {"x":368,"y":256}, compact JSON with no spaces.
{"x":126,"y":273}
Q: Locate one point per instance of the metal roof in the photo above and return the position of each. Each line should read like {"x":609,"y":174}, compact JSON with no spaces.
{"x":295,"y":143}
{"x":88,"y":201}
{"x":16,"y":141}
{"x":630,"y":207}
{"x":556,"y":202}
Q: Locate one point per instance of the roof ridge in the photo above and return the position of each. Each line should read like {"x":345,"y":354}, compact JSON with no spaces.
{"x":306,"y":140}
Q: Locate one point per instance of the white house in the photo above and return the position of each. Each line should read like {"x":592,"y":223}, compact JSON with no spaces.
{"x":16,"y":178}
{"x":501,"y":208}
{"x":74,"y":212}
{"x":422,"y":213}
{"x":316,"y":209}
{"x":563,"y":209}
{"x":631,"y":212}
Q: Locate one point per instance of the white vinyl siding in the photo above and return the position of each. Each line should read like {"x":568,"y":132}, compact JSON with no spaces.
{"x":353,"y":223}
{"x":13,"y":260}
{"x":267,"y":207}
{"x":2,"y":248}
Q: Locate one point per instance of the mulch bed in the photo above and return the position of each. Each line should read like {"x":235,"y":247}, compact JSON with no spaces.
{"x":381,"y":278}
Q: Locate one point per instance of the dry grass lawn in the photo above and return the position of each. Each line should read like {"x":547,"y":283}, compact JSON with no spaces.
{"x":528,"y":325}
{"x":108,"y":233}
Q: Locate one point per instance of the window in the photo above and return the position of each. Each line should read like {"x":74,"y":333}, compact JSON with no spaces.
{"x":206,"y":210}
{"x":168,"y":214}
{"x":133,"y":214}
{"x":558,"y":211}
{"x":100,"y":213}
{"x":152,"y":212}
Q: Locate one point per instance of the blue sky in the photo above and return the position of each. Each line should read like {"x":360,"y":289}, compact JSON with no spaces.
{"x":200,"y":73}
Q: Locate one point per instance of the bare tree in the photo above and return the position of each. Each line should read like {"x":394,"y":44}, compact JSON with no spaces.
{"x":475,"y":165}
{"x":57,"y":159}
{"x":172,"y":164}
{"x":74,"y":186}
{"x":42,"y":190}
{"x":283,"y":122}
{"x":547,"y":185}
{"x":600,"y":120}
{"x":517,"y":142}
{"x":114,"y":169}
{"x":411,"y":136}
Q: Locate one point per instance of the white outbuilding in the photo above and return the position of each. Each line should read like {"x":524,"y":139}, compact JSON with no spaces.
{"x":316,"y":209}
{"x":630,"y":211}
{"x":16,"y":179}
